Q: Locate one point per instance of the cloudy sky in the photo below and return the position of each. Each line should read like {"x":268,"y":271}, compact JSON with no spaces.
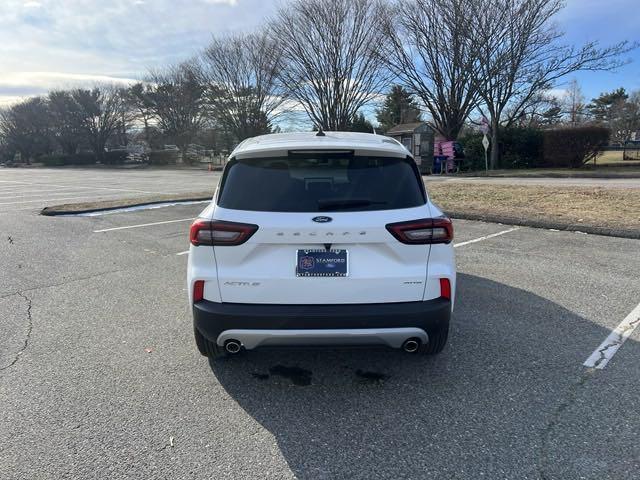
{"x":62,"y":43}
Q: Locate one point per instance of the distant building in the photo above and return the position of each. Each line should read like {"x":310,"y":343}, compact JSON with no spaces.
{"x":418,"y":139}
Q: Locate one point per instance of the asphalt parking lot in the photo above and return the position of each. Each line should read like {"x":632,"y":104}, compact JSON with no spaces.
{"x":100,"y":377}
{"x":29,"y":189}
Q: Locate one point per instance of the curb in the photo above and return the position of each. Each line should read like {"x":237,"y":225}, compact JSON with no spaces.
{"x":563,"y":226}
{"x":456,"y":214}
{"x":60,"y":209}
{"x":604,"y":176}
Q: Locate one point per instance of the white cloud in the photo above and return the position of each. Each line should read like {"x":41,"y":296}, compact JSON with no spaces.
{"x":56,"y":43}
{"x":58,"y":79}
{"x":557,"y":93}
{"x":16,"y":86}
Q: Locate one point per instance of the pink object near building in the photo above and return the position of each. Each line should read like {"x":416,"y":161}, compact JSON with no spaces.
{"x":445,"y":148}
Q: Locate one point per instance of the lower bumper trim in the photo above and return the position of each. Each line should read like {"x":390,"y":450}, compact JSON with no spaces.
{"x":391,"y":337}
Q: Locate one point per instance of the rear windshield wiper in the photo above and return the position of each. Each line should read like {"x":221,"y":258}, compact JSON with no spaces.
{"x":343,"y":204}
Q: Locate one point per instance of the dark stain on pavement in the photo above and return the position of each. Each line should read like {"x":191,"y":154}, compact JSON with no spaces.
{"x":299,"y":376}
{"x":371,"y":377}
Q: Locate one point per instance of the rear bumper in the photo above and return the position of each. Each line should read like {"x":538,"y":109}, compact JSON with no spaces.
{"x":359,"y":324}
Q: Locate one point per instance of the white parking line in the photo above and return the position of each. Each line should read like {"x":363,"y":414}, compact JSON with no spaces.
{"x":143,"y":225}
{"x":607,"y":349}
{"x":186,"y":252}
{"x":486,"y":237}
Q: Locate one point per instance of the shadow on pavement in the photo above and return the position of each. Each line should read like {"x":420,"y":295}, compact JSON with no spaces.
{"x":488,"y":405}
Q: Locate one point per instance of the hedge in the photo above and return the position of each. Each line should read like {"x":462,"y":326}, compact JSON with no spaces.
{"x":519,"y":148}
{"x":83,"y":158}
{"x":163,"y":157}
{"x":566,"y":147}
{"x":114,"y":157}
{"x":573,"y":147}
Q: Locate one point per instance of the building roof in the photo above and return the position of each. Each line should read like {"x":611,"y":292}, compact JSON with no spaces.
{"x":404,"y":128}
{"x":280,"y":143}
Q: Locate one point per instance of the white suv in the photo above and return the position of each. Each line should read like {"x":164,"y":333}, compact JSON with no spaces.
{"x":321,"y":239}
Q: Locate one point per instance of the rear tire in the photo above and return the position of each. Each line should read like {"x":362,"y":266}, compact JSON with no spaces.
{"x":437,"y":341}
{"x":207,"y":348}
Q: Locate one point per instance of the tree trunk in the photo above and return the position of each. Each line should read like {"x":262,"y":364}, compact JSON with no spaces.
{"x":494,"y":150}
{"x":147,"y":134}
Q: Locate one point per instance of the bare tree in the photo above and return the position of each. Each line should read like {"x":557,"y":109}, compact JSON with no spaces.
{"x":103,"y":112}
{"x":138,"y":97}
{"x":331,"y":56}
{"x":542,"y":110}
{"x":243,"y":92}
{"x":574,"y":103}
{"x":432,"y":52}
{"x":521,"y":54}
{"x":177,"y":99}
{"x":66,"y":120}
{"x":26,"y":128}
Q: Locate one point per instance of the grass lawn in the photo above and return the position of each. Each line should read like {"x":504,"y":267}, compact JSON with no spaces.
{"x":617,"y":209}
{"x":608,"y":158}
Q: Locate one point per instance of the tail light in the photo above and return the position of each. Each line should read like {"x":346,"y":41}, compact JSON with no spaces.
{"x":216,"y":232}
{"x":445,"y":288}
{"x":423,"y":232}
{"x":198,"y":290}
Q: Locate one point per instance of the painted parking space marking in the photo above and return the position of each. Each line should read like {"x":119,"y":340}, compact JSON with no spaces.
{"x":143,"y":225}
{"x":186,"y":252}
{"x":486,"y":237}
{"x":607,"y":349}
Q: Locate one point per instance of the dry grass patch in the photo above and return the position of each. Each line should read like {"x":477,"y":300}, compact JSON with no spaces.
{"x":616,"y":209}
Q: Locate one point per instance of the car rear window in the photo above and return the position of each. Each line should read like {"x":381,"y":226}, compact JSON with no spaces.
{"x":321,"y":183}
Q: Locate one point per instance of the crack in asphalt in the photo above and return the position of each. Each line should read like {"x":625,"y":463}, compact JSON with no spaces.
{"x":619,"y":340}
{"x":79,"y":279}
{"x":543,"y":459}
{"x":28,"y":335}
{"x":67,"y":282}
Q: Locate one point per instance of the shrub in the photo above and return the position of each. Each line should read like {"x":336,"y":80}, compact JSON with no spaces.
{"x":163,"y":157}
{"x":115,"y":157}
{"x":473,"y":152}
{"x":573,"y":147}
{"x":82,"y":158}
{"x":55,"y":160}
{"x":519,"y":148}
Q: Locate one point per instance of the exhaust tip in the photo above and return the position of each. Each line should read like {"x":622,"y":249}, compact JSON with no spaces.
{"x":411,"y":345}
{"x":232,"y":346}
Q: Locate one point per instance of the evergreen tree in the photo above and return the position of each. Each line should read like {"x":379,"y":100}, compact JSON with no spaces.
{"x":360,"y":124}
{"x":600,"y":108}
{"x":399,"y":107}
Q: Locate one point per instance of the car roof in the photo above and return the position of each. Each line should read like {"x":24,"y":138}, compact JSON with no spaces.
{"x":278,"y":144}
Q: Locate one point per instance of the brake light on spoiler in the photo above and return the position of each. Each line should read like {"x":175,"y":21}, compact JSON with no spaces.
{"x":220,"y":233}
{"x":426,"y":231}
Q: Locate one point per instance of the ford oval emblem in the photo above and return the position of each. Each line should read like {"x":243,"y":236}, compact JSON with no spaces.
{"x":322,"y":219}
